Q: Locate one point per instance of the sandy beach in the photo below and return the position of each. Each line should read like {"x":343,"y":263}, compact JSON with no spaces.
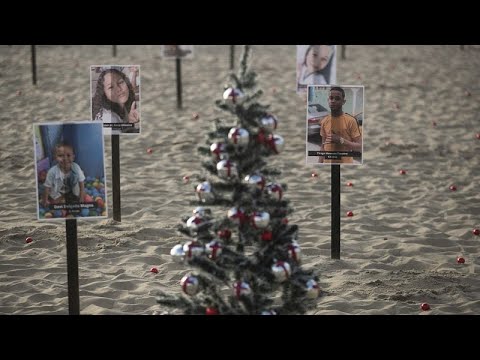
{"x":399,"y":250}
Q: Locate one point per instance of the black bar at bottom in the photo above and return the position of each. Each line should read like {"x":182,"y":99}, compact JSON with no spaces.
{"x":179,"y":82}
{"x":72,"y":267}
{"x":117,"y":212}
{"x":335,"y":245}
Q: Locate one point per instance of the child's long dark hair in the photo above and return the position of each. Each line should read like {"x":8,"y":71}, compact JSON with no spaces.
{"x":100,"y":100}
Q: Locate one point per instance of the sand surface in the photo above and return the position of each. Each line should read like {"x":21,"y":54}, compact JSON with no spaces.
{"x":398,"y":250}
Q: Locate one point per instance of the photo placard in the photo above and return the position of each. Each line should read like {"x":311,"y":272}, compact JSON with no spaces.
{"x":116,"y":98}
{"x":316,"y":65}
{"x":70,"y":170}
{"x":334,"y":126}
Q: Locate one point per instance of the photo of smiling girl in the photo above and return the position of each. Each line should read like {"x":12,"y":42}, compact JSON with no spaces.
{"x":116,"y":98}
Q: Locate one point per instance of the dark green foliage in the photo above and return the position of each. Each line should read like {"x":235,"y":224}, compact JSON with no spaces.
{"x":247,"y":256}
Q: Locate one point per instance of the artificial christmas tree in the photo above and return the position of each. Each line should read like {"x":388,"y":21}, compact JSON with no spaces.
{"x":248,"y":260}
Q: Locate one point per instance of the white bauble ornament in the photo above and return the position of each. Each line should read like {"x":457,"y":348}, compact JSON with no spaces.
{"x":276,"y":142}
{"x":227,"y":169}
{"x":213,"y":249}
{"x":194,"y":222}
{"x":236,"y":215}
{"x":241,"y":288}
{"x":204,"y":192}
{"x":238,"y":136}
{"x":268,"y":312}
{"x":255,"y":181}
{"x":199,"y":212}
{"x":260,"y":219}
{"x":312,"y":289}
{"x":233,"y":95}
{"x":275,"y":190}
{"x":269,"y":123}
{"x":177,"y":253}
{"x":193,"y":249}
{"x":281,"y":270}
{"x":294,"y":252}
{"x":190,"y":284}
{"x":218,"y":151}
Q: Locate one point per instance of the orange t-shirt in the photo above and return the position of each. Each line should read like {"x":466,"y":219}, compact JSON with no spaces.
{"x":344,"y":125}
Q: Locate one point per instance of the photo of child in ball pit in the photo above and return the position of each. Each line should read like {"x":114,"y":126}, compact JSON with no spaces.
{"x":70,"y":169}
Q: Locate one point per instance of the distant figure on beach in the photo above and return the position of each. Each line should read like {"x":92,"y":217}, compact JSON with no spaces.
{"x":64,"y":183}
{"x":315,"y":65}
{"x":339,"y":130}
{"x":114,"y":102}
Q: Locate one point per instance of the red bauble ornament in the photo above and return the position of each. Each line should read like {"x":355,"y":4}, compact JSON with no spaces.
{"x":460,"y":260}
{"x":403,"y":172}
{"x":261,"y":136}
{"x":349,"y":183}
{"x":267,"y":235}
{"x":476,"y":232}
{"x":195,"y":116}
{"x":453,"y":188}
{"x":224,"y":234}
{"x":425,"y":307}
{"x":154,"y":270}
{"x":211,"y":311}
{"x":28,"y":240}
{"x":349,"y":213}
{"x":186,"y":179}
{"x":314,"y":174}
{"x":149,"y":151}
